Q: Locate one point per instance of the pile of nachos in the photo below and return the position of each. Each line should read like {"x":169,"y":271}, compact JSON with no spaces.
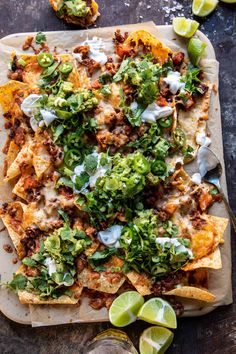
{"x":95,"y":154}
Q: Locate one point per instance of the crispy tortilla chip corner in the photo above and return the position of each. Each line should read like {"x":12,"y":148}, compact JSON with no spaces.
{"x":141,"y":282}
{"x":159,"y":50}
{"x":191,"y":292}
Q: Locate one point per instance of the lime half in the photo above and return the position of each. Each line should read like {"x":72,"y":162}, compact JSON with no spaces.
{"x":203,"y":8}
{"x":158,"y":311}
{"x":196,"y":48}
{"x":185,"y":27}
{"x":124,"y":308}
{"x":155,"y":340}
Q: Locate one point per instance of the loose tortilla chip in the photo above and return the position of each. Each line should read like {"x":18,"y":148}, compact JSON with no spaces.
{"x":212,"y":261}
{"x":158,"y":49}
{"x":191,"y":292}
{"x":141,"y":282}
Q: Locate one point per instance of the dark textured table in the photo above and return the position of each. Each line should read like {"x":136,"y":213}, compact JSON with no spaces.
{"x":214,"y":333}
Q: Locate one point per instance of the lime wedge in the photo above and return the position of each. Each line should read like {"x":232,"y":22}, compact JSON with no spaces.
{"x":124,"y":308}
{"x":196,"y":49}
{"x":155,"y":340}
{"x":203,"y":8}
{"x":185,"y":27}
{"x":158,"y":311}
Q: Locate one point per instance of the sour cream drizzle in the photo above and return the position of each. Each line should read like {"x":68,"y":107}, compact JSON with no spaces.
{"x":173,"y":80}
{"x":96,"y":45}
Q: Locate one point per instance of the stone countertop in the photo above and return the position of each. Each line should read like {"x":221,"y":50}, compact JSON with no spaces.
{"x":214,"y":333}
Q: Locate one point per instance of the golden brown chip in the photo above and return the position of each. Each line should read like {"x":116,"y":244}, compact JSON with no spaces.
{"x":141,"y":282}
{"x":158,"y":49}
{"x":191,"y":292}
{"x":213,"y":261}
{"x":12,"y":219}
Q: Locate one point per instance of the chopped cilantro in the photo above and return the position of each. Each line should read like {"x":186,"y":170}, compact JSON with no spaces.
{"x":40,"y":38}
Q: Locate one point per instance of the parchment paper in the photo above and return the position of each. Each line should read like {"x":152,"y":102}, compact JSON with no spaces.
{"x":219,"y":280}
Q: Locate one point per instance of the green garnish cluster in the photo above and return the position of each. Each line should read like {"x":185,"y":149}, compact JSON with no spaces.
{"x":144,"y":253}
{"x":60,"y":248}
{"x":76,"y":8}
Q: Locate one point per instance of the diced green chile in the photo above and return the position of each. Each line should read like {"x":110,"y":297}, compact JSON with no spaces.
{"x":179,"y":137}
{"x":66,"y":68}
{"x":159,"y":167}
{"x":45,"y":59}
{"x":165,"y":122}
{"x":72,"y":157}
{"x":141,"y":164}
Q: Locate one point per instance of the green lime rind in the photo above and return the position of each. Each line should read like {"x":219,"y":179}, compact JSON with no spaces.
{"x":158,"y":311}
{"x":124,"y":308}
{"x":155,"y":340}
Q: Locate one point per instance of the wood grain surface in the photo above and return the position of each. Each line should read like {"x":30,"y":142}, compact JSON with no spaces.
{"x":214,"y":333}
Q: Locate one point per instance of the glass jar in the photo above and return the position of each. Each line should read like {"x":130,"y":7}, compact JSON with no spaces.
{"x":111,"y":341}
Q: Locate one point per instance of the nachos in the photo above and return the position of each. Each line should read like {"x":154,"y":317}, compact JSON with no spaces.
{"x":95,"y":158}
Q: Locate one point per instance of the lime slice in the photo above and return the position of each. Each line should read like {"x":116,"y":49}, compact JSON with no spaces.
{"x":196,"y":49}
{"x":229,"y":1}
{"x":203,"y":8}
{"x":124,"y":308}
{"x":158,"y":311}
{"x":155,"y":340}
{"x":185,"y":27}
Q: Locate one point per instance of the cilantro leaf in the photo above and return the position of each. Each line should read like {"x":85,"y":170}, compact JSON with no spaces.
{"x":90,"y":163}
{"x":40,"y":38}
{"x":18,"y":282}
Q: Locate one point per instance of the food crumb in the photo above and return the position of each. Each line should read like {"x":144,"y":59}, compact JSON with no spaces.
{"x":8,"y":248}
{"x":14,"y":260}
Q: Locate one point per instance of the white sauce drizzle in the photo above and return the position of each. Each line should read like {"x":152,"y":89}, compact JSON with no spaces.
{"x":153,"y":112}
{"x":96,"y":46}
{"x":110,"y":236}
{"x":202,"y":139}
{"x":51,"y":265}
{"x":196,"y":178}
{"x":173,"y":80}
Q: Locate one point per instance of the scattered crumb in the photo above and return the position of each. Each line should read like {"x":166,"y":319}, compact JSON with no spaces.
{"x":8,"y":248}
{"x":14,"y":260}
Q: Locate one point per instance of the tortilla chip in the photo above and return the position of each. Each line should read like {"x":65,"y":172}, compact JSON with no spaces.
{"x":212,"y":261}
{"x":206,"y":240}
{"x":191,"y":292}
{"x":100,"y":280}
{"x":28,"y":298}
{"x":158,"y":49}
{"x":23,"y":157}
{"x":32,"y":71}
{"x":14,"y":226}
{"x":7,"y":91}
{"x":41,"y":158}
{"x":193,"y":120}
{"x":12,"y":152}
{"x":141,"y":282}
